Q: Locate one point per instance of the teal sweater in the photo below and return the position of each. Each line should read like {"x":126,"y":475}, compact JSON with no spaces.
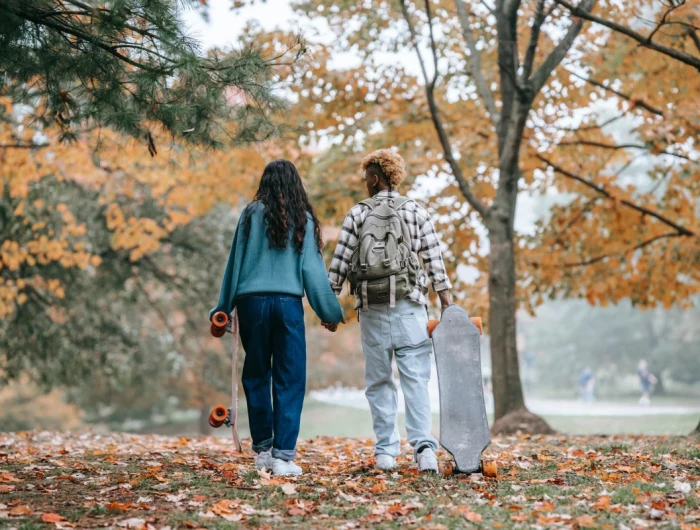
{"x":254,"y":268}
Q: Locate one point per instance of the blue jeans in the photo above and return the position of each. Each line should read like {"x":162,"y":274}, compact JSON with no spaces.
{"x":401,"y":332}
{"x":272,"y":333}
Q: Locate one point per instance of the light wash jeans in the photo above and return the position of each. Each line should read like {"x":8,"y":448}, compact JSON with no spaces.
{"x":401,"y":332}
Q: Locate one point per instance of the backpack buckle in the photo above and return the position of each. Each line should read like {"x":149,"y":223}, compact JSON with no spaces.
{"x":363,"y":267}
{"x":386,"y":262}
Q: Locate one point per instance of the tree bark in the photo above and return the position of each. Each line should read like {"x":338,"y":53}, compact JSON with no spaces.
{"x":507,"y":388}
{"x":696,"y":432}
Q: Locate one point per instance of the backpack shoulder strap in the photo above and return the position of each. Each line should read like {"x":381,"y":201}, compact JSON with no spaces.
{"x":400,"y":202}
{"x":370,"y":203}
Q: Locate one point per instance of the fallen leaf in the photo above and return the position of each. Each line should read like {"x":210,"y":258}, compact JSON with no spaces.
{"x":6,"y":488}
{"x":603,"y":503}
{"x":682,"y":487}
{"x":116,"y":506}
{"x":585,"y":521}
{"x":289,"y":488}
{"x":379,"y":487}
{"x":224,"y":507}
{"x":20,"y":510}
{"x":51,"y":518}
{"x":134,"y":522}
{"x":473,"y":517}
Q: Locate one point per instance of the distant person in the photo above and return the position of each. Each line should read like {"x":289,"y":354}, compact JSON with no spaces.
{"x":392,"y":307}
{"x":275,"y":258}
{"x":586,"y":383}
{"x":647,"y":381}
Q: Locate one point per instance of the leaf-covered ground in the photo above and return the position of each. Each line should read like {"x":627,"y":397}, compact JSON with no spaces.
{"x":50,"y":480}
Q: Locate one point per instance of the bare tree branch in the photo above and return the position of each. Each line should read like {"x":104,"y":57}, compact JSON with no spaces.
{"x":433,"y":46}
{"x":600,"y":189}
{"x":643,"y":40}
{"x":437,"y":122}
{"x":537,"y":22}
{"x":23,"y":146}
{"x":627,"y":97}
{"x":561,"y":49}
{"x":641,"y":245}
{"x":474,"y":64}
{"x":621,"y":146}
{"x":664,"y":18}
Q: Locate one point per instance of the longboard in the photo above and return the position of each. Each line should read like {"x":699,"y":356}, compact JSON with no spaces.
{"x":464,"y":427}
{"x":220,"y":414}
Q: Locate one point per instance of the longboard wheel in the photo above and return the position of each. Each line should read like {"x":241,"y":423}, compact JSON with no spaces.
{"x":489,"y":468}
{"x":216,"y":331}
{"x":220,"y":319}
{"x":218,"y":324}
{"x":432,"y":324}
{"x":477,"y":322}
{"x":217,"y":416}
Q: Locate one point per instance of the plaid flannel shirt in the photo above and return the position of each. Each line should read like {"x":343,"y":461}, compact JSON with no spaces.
{"x":424,"y":242}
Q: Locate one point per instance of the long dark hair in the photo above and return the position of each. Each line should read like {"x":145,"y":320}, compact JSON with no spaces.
{"x":286,"y":204}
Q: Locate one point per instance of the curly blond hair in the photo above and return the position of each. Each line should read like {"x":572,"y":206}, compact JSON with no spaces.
{"x":391,"y":164}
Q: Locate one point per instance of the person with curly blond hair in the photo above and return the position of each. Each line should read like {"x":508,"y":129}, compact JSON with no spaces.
{"x":378,"y":253}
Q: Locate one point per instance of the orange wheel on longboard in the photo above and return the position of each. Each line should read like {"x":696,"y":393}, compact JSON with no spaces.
{"x":489,"y":468}
{"x":477,"y":322}
{"x":432,"y":324}
{"x":217,"y":416}
{"x":218,"y":324}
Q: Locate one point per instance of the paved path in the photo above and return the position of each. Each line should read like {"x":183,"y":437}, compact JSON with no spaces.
{"x":355,"y":398}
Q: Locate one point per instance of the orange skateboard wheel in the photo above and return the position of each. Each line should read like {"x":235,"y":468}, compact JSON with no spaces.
{"x":477,"y":322}
{"x":217,"y":416}
{"x":220,"y":319}
{"x":489,"y":468}
{"x":432,"y":324}
{"x":218,"y":324}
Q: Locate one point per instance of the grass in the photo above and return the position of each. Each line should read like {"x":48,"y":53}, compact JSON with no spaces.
{"x":611,"y":481}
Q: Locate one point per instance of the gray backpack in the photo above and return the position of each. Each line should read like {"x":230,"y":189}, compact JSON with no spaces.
{"x":383,"y":267}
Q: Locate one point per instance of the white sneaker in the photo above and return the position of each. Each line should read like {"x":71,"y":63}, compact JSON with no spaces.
{"x":385,"y":462}
{"x":427,"y":461}
{"x":285,"y":468}
{"x":264,"y":460}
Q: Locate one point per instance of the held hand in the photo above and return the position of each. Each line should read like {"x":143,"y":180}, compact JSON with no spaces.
{"x":330,"y":326}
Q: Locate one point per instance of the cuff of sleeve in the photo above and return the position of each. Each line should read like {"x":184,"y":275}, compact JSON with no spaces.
{"x":441,"y":285}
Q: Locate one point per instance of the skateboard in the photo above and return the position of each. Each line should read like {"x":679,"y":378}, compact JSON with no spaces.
{"x":464,"y":427}
{"x":220,"y":414}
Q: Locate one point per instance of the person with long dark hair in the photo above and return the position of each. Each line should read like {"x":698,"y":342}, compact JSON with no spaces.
{"x":276,"y":258}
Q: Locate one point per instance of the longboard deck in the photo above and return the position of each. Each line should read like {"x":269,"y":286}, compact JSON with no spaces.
{"x":464,"y":427}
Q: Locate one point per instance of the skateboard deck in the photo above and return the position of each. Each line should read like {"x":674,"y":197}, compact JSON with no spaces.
{"x":464,"y":427}
{"x":220,"y":414}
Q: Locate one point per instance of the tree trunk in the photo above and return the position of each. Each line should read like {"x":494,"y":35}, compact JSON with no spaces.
{"x":204,"y":427}
{"x":507,"y":388}
{"x":511,"y":415}
{"x":696,"y":432}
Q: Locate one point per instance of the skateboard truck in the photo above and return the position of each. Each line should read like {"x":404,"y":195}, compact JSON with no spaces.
{"x":464,"y":429}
